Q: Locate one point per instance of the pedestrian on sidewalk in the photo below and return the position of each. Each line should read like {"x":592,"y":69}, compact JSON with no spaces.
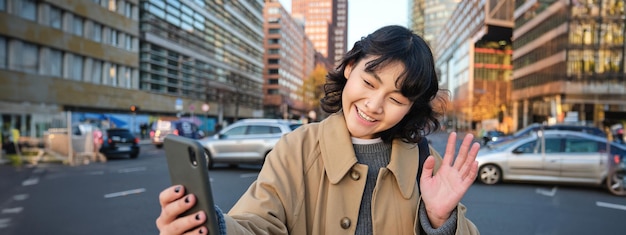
{"x":355,"y":172}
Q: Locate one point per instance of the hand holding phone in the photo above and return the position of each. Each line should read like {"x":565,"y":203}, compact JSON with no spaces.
{"x":187,"y":163}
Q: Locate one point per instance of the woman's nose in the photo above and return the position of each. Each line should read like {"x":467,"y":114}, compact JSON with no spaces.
{"x":373,"y":106}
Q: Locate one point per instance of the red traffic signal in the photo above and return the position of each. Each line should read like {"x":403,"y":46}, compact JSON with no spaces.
{"x":134,"y":108}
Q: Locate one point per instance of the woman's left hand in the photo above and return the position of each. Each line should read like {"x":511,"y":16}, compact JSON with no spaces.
{"x":443,"y":191}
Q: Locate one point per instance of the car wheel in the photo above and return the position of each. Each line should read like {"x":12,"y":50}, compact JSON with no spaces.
{"x":134,"y":155}
{"x":616,"y":182}
{"x":489,"y":174}
{"x":209,"y":159}
{"x":159,"y":146}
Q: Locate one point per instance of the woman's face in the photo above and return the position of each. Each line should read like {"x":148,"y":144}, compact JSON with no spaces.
{"x":371,"y":102}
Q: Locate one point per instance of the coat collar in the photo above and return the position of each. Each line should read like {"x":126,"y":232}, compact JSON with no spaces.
{"x":339,"y":157}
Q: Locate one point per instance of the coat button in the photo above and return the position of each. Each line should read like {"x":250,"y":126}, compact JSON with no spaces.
{"x":355,"y":175}
{"x":345,"y":223}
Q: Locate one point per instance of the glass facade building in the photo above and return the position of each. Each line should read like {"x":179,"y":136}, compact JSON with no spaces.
{"x":204,"y":52}
{"x":569,"y":62}
{"x":473,"y":59}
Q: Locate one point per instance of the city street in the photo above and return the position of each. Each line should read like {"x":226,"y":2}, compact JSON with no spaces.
{"x":121,"y":197}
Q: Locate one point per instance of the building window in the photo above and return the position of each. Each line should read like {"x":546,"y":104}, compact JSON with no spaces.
{"x":274,"y":31}
{"x":30,"y":58}
{"x":55,"y":17}
{"x":113,"y":37}
{"x":127,"y":77}
{"x":76,"y":72}
{"x":3,"y":5}
{"x":129,"y":42}
{"x":113,"y":75}
{"x":96,"y":71}
{"x":77,"y":25}
{"x":54,"y":62}
{"x":272,"y":71}
{"x":112,"y":5}
{"x":273,"y":41}
{"x":29,"y":10}
{"x":96,"y":32}
{"x":273,"y":61}
{"x":3,"y":52}
{"x":128,"y":10}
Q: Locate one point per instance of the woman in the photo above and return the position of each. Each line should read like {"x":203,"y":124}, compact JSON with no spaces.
{"x":355,"y":172}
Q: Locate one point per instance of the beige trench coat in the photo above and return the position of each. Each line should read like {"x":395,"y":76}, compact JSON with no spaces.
{"x":311,"y":183}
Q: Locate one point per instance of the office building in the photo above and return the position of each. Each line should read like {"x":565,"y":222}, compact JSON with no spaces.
{"x":473,"y":58}
{"x":326,"y":25}
{"x":289,"y":60}
{"x":58,"y":56}
{"x":429,"y":16}
{"x":569,"y":62}
{"x":203,"y":52}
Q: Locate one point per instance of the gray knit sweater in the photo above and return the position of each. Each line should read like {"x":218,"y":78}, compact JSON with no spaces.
{"x":375,"y":156}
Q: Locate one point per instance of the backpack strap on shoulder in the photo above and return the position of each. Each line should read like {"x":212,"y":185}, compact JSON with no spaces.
{"x":424,"y":152}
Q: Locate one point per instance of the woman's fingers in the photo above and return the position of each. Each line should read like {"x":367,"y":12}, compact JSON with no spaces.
{"x":171,"y":194}
{"x":448,"y":157}
{"x":189,"y":224}
{"x":173,"y":203}
{"x":470,"y":159}
{"x":463,"y":150}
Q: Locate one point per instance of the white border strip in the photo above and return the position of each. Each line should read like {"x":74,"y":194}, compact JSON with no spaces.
{"x":611,"y":205}
{"x":125,"y":193}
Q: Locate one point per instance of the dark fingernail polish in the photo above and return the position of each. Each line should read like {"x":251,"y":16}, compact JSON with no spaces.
{"x":177,"y":189}
{"x":198,"y":217}
{"x":187,"y":199}
{"x":201,"y":231}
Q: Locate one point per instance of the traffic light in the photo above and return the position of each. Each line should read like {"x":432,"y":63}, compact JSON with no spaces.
{"x":134,"y":108}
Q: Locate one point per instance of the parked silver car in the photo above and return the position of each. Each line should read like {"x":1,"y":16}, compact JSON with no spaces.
{"x":558,"y":157}
{"x":246,"y":141}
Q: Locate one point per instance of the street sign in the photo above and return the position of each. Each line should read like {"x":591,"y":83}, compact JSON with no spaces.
{"x":179,"y":104}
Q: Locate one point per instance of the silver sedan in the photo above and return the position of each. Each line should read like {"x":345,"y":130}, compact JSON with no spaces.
{"x":556,"y":157}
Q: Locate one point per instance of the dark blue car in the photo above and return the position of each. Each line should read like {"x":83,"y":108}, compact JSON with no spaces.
{"x":119,"y":141}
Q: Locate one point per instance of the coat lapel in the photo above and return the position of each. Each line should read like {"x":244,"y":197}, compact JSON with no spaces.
{"x":336,"y":147}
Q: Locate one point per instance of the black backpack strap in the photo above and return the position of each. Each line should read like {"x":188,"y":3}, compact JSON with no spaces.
{"x":424,"y":152}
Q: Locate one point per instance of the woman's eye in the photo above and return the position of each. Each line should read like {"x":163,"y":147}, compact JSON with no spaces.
{"x":367,"y":83}
{"x":397,"y":101}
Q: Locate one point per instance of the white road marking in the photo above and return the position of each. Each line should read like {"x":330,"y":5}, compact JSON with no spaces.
{"x":249,"y":175}
{"x":15,"y":210}
{"x":544,"y":192}
{"x":5,"y":222}
{"x":125,"y":193}
{"x":20,"y":197}
{"x":127,"y":170}
{"x":31,"y":181}
{"x":96,"y":173}
{"x":611,"y":205}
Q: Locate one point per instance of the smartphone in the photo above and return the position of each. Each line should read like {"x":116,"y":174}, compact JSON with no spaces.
{"x":188,"y":166}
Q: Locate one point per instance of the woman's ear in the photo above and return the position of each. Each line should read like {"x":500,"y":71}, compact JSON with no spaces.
{"x":348,"y":70}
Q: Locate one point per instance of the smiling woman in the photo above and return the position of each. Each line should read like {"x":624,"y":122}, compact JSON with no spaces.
{"x":321,"y":178}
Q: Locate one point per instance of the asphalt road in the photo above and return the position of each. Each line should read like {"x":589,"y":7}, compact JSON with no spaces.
{"x":121,"y":197}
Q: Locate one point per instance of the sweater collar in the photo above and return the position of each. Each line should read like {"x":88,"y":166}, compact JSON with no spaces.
{"x":337,"y":152}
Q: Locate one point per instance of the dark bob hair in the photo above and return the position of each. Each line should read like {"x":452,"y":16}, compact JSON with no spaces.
{"x":418,"y":82}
